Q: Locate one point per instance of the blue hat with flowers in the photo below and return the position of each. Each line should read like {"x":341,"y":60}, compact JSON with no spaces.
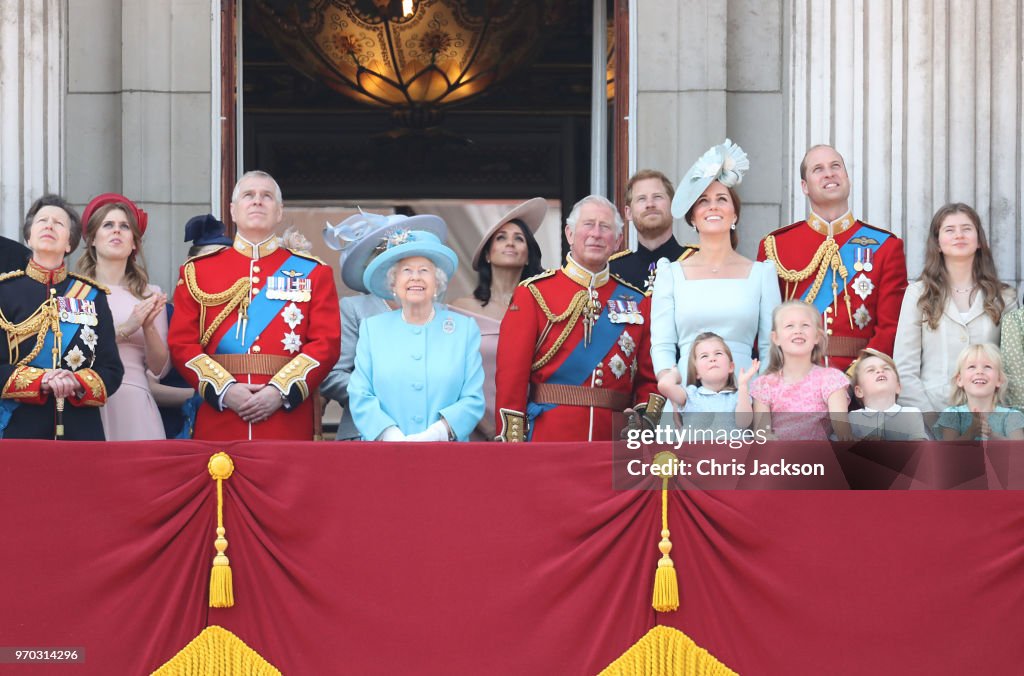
{"x":363,"y":236}
{"x":402,"y":244}
{"x":725,"y":163}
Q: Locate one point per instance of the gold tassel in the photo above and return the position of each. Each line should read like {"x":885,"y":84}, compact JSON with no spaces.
{"x":221,"y":590}
{"x":666,"y":586}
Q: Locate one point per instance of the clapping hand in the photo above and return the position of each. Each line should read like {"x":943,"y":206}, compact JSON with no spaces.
{"x":143,"y":314}
{"x":980,"y":425}
{"x":744,"y":376}
{"x":158,"y":303}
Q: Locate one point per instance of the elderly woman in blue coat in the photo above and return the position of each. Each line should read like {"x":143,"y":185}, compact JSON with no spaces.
{"x":418,"y":375}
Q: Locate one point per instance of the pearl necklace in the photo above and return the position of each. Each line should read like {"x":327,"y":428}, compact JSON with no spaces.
{"x":429,"y":319}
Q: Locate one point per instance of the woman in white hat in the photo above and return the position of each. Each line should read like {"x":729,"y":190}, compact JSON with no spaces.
{"x":418,"y":375}
{"x":507,"y":254}
{"x":360,"y":238}
{"x":715,"y":289}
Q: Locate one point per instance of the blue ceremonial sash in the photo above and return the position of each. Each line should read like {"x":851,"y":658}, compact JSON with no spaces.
{"x":262,"y":310}
{"x":44,"y":360}
{"x":578,"y":366}
{"x":848,"y":252}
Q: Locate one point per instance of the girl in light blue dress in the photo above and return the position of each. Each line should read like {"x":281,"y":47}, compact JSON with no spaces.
{"x":979,"y":387}
{"x":716,"y":396}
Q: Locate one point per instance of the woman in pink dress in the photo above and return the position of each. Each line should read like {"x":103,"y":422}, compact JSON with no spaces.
{"x":507,"y":254}
{"x":113,"y":232}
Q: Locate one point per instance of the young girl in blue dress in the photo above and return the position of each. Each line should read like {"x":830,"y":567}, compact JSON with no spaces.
{"x":715,"y":396}
{"x":979,"y":387}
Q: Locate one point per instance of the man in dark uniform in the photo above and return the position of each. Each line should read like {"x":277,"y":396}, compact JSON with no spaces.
{"x":853,"y":273}
{"x":649,"y":206}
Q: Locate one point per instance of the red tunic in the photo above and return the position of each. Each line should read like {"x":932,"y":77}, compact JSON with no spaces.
{"x":293,"y":359}
{"x":518,"y":350}
{"x":871,"y":318}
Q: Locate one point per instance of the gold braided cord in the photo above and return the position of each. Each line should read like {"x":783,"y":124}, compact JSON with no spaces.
{"x":235,"y":295}
{"x":217,"y":651}
{"x":46,"y":318}
{"x":551,"y":316}
{"x":664,"y":651}
{"x":825,"y":258}
{"x":572,"y":313}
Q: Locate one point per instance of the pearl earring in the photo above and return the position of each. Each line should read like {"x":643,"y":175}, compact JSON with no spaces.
{"x":733,"y":227}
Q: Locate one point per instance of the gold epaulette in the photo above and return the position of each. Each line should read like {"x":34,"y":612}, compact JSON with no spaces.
{"x":620,"y":254}
{"x":688,"y":251}
{"x":306,"y":254}
{"x":626,"y":284}
{"x":88,"y":280}
{"x":530,"y":280}
{"x":12,"y":274}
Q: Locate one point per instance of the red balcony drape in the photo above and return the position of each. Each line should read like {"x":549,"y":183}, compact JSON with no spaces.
{"x":490,"y":559}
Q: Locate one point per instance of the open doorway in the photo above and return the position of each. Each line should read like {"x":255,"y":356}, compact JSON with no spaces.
{"x":528,"y":135}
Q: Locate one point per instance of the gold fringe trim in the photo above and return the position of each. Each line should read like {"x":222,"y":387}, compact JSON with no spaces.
{"x":664,"y":651}
{"x":217,"y":652}
{"x":222,"y":594}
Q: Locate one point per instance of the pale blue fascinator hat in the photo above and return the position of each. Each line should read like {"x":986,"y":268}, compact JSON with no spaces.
{"x":403,"y":244}
{"x":362,"y":236}
{"x":725,"y":163}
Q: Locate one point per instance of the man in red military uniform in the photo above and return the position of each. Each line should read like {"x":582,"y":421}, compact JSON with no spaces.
{"x":255,"y":326}
{"x":575,"y":344}
{"x":853,"y":273}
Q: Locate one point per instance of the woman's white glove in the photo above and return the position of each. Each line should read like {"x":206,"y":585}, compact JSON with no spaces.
{"x":436,"y":432}
{"x":393,"y":434}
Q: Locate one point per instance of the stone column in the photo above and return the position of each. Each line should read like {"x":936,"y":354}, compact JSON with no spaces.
{"x":31,"y":107}
{"x":708,"y":70}
{"x":923,"y":97}
{"x":140,"y":115}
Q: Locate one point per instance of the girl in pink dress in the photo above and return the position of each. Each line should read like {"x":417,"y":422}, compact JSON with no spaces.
{"x":113,"y":229}
{"x":797,"y":398}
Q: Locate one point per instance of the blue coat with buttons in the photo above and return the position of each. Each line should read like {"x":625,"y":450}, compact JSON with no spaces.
{"x":409,"y":375}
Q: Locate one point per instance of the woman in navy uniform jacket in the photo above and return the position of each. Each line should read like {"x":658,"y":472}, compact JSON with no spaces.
{"x":61,"y":361}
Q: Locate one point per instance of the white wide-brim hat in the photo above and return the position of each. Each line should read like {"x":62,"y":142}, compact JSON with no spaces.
{"x":402,"y":244}
{"x":531,"y":213}
{"x":725,"y":163}
{"x":362,"y":236}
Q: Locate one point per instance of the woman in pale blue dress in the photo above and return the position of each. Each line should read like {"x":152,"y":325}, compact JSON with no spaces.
{"x":715,"y":289}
